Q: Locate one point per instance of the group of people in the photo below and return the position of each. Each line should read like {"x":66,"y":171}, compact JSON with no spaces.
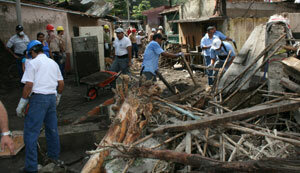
{"x":216,"y":49}
{"x":43,"y":85}
{"x":53,"y":46}
{"x":126,"y":47}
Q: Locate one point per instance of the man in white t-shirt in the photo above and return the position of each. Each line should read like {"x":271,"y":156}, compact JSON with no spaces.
{"x":122,"y":50}
{"x":43,"y":87}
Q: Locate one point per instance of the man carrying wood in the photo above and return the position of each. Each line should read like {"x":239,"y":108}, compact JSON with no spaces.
{"x":219,"y":52}
{"x":151,"y":57}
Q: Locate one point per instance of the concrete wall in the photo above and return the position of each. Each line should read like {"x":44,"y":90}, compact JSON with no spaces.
{"x":194,"y":9}
{"x":34,"y":20}
{"x":294,"y":21}
{"x":239,"y":29}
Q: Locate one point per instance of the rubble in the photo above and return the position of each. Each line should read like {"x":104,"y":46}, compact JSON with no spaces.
{"x":226,"y":128}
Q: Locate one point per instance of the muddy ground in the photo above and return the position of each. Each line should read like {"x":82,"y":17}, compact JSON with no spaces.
{"x":73,"y":105}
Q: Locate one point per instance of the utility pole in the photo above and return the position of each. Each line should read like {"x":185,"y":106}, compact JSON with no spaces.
{"x":18,"y":11}
{"x":128,"y":13}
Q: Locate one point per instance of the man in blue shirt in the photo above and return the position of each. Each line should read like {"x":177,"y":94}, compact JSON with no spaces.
{"x":151,"y":57}
{"x":206,"y":43}
{"x":219,"y":52}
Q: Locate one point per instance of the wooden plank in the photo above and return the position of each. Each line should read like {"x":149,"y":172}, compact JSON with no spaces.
{"x":79,"y":128}
{"x":17,"y":137}
{"x":260,"y":110}
{"x":290,"y":85}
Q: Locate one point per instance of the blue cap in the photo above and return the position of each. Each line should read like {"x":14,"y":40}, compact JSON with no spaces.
{"x":30,"y":45}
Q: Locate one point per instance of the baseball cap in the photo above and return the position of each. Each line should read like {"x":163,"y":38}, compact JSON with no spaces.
{"x":119,"y":30}
{"x":216,"y":43}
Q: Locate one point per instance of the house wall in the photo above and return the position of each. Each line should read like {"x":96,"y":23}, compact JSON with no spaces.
{"x":294,"y":21}
{"x":36,"y":19}
{"x":192,"y":33}
{"x":239,"y":29}
{"x":194,"y":9}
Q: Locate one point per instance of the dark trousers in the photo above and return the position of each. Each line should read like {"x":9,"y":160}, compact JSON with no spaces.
{"x":60,"y":61}
{"x":135,"y":50}
{"x":209,"y":72}
{"x":42,"y":110}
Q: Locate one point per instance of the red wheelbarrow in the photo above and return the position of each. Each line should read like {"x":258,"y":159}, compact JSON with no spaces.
{"x":101,"y":79}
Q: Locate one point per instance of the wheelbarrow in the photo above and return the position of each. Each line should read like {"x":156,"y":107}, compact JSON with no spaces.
{"x":101,"y":79}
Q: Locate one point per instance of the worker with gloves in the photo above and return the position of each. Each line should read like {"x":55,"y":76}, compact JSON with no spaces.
{"x":133,"y":40}
{"x":6,"y":140}
{"x":18,"y":43}
{"x":218,"y":54}
{"x":107,"y":42}
{"x":43,"y":88}
{"x":122,"y":53}
{"x":151,"y":57}
{"x":206,"y":43}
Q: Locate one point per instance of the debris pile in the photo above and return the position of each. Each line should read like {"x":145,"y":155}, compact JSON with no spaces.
{"x":221,"y":129}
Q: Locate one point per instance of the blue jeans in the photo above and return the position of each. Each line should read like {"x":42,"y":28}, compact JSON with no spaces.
{"x":42,"y":109}
{"x":120,"y":64}
{"x":209,"y":72}
{"x":135,"y":50}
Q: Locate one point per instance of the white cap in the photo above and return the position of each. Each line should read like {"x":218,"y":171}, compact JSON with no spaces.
{"x":153,"y":30}
{"x":118,"y":30}
{"x":216,"y":44}
{"x":160,"y":27}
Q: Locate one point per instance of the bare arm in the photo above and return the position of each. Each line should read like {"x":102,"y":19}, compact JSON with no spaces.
{"x":3,"y":118}
{"x":5,"y":140}
{"x":27,"y":90}
{"x":129,"y":48}
{"x":171,"y":55}
{"x":60,"y":87}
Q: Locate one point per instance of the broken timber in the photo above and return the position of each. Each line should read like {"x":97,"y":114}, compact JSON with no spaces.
{"x":290,"y":85}
{"x":261,"y":110}
{"x":206,"y":164}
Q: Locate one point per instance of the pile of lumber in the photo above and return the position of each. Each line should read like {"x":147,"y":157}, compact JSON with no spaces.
{"x":203,"y":130}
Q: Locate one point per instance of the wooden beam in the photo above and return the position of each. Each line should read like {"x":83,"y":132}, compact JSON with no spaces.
{"x":260,"y":110}
{"x":290,"y":85}
{"x":211,"y":165}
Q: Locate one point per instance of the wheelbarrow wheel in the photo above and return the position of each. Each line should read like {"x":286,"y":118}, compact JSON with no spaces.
{"x":92,"y":93}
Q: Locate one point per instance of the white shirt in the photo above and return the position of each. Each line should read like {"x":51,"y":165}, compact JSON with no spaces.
{"x":44,"y":73}
{"x":121,"y":46}
{"x":20,"y":44}
{"x":139,"y":39}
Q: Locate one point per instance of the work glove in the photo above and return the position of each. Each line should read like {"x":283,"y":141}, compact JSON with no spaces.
{"x":58,"y":99}
{"x":210,"y":66}
{"x":21,"y":107}
{"x":106,"y":46}
{"x":179,"y":54}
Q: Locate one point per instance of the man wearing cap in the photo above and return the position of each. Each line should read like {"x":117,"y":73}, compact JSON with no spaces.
{"x":133,"y":40}
{"x":122,"y":51}
{"x":43,"y":88}
{"x":151,"y":57}
{"x":19,"y":44}
{"x":219,"y":52}
{"x":107,"y":42}
{"x":206,"y":43}
{"x":153,"y":31}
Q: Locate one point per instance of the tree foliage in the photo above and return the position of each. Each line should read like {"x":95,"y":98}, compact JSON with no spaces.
{"x":138,"y":9}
